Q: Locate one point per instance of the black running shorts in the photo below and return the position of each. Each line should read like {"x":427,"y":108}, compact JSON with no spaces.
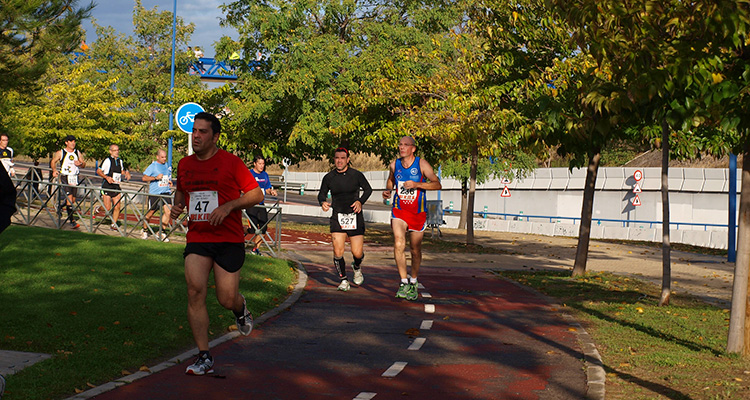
{"x":229,"y":256}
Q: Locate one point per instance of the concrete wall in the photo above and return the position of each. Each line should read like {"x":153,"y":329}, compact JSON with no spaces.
{"x":549,"y":202}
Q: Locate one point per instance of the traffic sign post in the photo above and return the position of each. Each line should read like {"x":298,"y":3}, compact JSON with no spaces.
{"x":184,"y":117}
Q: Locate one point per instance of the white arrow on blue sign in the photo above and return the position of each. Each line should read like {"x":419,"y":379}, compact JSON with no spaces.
{"x":185,"y":115}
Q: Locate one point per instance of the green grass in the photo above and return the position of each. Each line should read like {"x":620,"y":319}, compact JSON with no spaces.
{"x":649,"y":352}
{"x":103,"y":305}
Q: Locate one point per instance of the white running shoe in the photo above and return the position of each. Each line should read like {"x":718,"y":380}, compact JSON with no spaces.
{"x":144,"y":235}
{"x":245,"y":322}
{"x":358,"y":276}
{"x":201,"y":366}
{"x":344,"y":286}
{"x":163,"y":237}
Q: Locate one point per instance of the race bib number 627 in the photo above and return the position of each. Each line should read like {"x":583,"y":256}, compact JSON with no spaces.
{"x":202,"y":204}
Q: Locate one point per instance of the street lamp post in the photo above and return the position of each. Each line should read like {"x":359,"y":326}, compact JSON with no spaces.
{"x":171,"y":84}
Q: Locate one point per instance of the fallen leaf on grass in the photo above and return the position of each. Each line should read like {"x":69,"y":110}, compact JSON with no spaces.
{"x":571,"y":329}
{"x":125,"y":372}
{"x":639,"y":309}
{"x":91,"y":385}
{"x":267,"y":280}
{"x":78,"y":390}
{"x":144,"y":369}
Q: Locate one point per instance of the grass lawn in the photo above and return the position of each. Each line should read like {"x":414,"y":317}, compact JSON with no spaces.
{"x":105,"y":306}
{"x":649,"y":352}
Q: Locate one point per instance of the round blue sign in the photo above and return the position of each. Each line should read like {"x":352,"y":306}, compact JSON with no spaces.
{"x":185,"y":114}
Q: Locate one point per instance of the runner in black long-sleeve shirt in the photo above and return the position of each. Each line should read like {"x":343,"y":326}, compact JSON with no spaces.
{"x":345,"y":183}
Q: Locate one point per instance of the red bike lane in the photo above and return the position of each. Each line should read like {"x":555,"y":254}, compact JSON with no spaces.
{"x":470,"y":335}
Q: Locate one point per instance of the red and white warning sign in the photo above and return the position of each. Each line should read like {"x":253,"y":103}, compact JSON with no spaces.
{"x":637,"y":175}
{"x":636,"y":201}
{"x":505,"y":193}
{"x":505,"y":181}
{"x":637,"y":188}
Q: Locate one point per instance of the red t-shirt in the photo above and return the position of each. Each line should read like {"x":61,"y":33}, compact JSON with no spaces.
{"x":208,"y":184}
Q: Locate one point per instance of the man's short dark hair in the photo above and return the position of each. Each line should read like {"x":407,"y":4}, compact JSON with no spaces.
{"x":215,"y":124}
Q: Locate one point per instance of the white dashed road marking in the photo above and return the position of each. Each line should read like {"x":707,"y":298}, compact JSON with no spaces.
{"x":426,"y":325}
{"x":426,"y":295}
{"x":429,"y":308}
{"x":365,"y":396}
{"x":417,"y":343}
{"x":394,"y":369}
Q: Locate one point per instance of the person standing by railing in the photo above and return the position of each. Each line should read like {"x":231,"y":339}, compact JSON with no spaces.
{"x":259,"y":215}
{"x":160,"y":183}
{"x":112,"y":170}
{"x":6,"y":155}
{"x":71,"y":162}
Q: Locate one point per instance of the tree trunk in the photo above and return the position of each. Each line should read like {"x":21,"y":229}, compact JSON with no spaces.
{"x":464,"y":205}
{"x":739,"y":322}
{"x":666,"y":247}
{"x":472,"y":191}
{"x":584,"y":233}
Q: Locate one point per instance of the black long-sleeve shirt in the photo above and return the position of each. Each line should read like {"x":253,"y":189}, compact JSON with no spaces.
{"x":344,"y":187}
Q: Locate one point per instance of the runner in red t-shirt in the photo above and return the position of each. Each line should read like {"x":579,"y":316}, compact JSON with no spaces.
{"x":215,"y":186}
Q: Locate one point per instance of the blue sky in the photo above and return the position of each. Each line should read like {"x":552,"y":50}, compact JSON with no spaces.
{"x":204,"y":13}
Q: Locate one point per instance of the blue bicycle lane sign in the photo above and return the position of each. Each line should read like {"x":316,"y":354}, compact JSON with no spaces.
{"x":185,"y":115}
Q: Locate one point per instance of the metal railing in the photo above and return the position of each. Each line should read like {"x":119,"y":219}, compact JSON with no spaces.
{"x":44,"y":203}
{"x":625,"y":223}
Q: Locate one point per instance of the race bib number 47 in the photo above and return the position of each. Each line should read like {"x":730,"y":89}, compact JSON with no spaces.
{"x":348,"y":222}
{"x":202,"y":204}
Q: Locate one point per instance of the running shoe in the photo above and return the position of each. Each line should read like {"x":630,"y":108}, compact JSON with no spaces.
{"x":344,"y":286}
{"x":245,"y":322}
{"x":255,"y":251}
{"x":402,"y":289}
{"x":113,"y":227}
{"x":163,"y":237}
{"x":202,"y":365}
{"x":358,"y":276}
{"x":75,"y":225}
{"x":144,"y":235}
{"x":411,"y":292}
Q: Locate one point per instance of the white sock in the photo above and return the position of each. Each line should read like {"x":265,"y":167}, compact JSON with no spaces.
{"x":412,"y":280}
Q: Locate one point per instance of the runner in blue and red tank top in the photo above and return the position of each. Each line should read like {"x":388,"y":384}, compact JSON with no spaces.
{"x":411,"y":176}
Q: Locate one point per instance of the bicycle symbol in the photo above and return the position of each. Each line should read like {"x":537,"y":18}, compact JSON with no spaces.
{"x":187,"y":118}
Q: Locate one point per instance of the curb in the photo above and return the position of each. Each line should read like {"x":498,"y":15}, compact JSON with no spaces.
{"x":595,"y":374}
{"x":290,"y":300}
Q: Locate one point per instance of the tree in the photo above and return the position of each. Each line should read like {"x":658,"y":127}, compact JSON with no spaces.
{"x":471,"y":98}
{"x":316,"y":56}
{"x":94,"y":112}
{"x":32,"y":33}
{"x":460,"y":170}
{"x":142,"y":64}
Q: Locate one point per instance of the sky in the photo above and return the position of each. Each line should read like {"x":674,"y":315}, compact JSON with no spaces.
{"x":204,"y":13}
